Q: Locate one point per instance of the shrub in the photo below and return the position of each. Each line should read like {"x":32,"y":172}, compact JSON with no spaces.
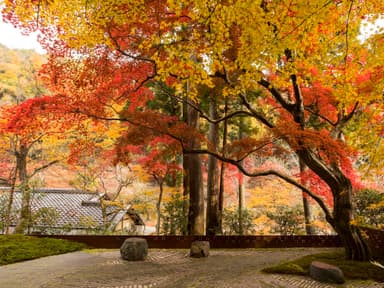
{"x":289,"y":221}
{"x":369,"y":207}
{"x":232,"y":225}
{"x":174,"y":218}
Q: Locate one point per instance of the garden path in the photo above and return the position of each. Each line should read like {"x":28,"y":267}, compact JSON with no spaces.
{"x":224,"y":268}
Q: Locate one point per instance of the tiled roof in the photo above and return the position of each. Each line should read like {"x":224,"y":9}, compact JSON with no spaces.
{"x":74,"y":207}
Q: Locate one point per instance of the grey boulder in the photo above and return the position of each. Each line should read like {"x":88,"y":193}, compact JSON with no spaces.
{"x":134,"y":249}
{"x":324,"y":272}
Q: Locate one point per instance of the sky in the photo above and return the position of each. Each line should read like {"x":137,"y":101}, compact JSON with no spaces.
{"x":12,"y":38}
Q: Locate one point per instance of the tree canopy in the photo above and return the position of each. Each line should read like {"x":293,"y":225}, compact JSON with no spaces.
{"x":301,"y":70}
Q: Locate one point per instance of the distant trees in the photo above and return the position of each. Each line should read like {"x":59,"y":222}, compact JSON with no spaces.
{"x":369,"y":207}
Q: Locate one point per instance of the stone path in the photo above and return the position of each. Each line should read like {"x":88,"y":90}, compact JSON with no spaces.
{"x":163,"y":268}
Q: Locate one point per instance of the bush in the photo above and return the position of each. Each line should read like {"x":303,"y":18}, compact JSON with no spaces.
{"x":174,"y":218}
{"x":44,"y":219}
{"x":369,"y":207}
{"x":289,"y":221}
{"x":232,"y":225}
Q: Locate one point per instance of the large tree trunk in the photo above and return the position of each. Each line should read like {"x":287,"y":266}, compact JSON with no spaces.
{"x":193,"y":188}
{"x":193,"y":180}
{"x":213,"y":212}
{"x":355,"y":246}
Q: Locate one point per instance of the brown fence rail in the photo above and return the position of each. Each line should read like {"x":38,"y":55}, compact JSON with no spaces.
{"x":184,"y":242}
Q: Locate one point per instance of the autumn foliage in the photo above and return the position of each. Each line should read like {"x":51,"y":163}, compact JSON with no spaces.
{"x":298,"y":70}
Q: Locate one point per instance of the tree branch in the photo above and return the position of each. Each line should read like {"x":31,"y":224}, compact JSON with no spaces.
{"x":256,"y":114}
{"x":282,"y":176}
{"x":43,"y":167}
{"x":276,"y":94}
{"x":350,"y":115}
{"x":320,"y":116}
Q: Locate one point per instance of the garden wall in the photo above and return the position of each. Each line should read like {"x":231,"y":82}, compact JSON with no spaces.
{"x":375,"y":239}
{"x":179,"y":242}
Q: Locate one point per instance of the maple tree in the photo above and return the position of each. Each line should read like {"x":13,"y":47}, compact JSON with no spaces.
{"x":29,"y":139}
{"x":297,"y":67}
{"x":21,"y":130}
{"x":158,"y":157}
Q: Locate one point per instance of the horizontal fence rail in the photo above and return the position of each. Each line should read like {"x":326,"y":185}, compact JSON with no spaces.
{"x":184,"y":242}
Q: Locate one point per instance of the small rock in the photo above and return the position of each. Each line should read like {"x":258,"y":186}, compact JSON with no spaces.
{"x":199,"y":249}
{"x":134,"y":249}
{"x":324,"y":272}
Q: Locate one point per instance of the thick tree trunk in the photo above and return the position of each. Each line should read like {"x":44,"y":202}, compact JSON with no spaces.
{"x":213,"y":212}
{"x":355,"y":246}
{"x":193,"y":188}
{"x":193,"y":181}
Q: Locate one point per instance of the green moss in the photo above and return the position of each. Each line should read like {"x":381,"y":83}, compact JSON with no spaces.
{"x":351,"y":269}
{"x":16,"y":248}
{"x":286,"y":268}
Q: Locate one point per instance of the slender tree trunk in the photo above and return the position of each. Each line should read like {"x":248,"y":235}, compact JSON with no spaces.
{"x":221,"y":196}
{"x":158,"y":206}
{"x":241,"y":196}
{"x":10,"y":201}
{"x":186,"y":188}
{"x":222,"y":171}
{"x":241,"y":204}
{"x":309,"y":229}
{"x":25,"y":213}
{"x":213,"y":212}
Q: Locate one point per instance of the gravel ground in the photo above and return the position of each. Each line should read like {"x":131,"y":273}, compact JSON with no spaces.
{"x":163,"y":269}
